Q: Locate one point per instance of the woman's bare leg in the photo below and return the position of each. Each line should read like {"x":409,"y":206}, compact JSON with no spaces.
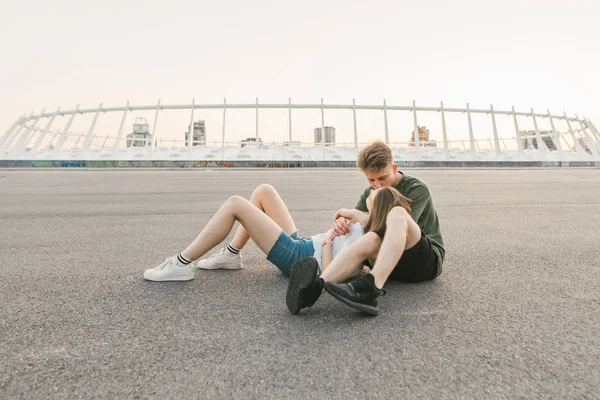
{"x":266,"y":198}
{"x":262,"y":229}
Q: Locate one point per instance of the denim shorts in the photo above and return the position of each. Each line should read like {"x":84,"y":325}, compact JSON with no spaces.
{"x":289,"y":249}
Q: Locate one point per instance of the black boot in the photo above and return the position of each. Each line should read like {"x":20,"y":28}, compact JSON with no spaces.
{"x":305,"y":285}
{"x":361,"y":294}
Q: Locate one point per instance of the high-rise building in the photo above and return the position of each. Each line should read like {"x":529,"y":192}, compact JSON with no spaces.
{"x":329,"y":136}
{"x":198,"y":134}
{"x":141,"y":136}
{"x":423,"y":138}
{"x":251,"y":141}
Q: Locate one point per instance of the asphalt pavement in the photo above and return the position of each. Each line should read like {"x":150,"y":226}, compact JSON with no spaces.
{"x":515,"y":313}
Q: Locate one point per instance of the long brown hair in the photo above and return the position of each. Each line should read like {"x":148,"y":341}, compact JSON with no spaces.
{"x":386,"y":199}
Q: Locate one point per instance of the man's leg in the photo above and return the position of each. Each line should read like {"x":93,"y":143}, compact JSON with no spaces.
{"x":349,"y":261}
{"x":305,"y":286}
{"x":402,"y":232}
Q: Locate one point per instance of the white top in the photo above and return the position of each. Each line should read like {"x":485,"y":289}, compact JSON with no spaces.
{"x":339,"y":242}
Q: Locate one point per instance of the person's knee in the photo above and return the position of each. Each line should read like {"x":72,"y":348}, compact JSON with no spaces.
{"x":397,"y":218}
{"x":263,"y":190}
{"x":235,"y":200}
{"x":370,"y":244}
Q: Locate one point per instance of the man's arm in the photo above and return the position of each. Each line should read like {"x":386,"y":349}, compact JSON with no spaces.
{"x":344,"y":217}
{"x":420,"y":196}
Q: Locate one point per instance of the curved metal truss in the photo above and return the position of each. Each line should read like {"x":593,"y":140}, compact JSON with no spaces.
{"x":26,"y":139}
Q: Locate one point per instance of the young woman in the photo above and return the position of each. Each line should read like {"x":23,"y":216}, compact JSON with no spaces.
{"x":266,"y":220}
{"x":307,"y":283}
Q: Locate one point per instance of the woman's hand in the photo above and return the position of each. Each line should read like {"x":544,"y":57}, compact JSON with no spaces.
{"x":329,"y":236}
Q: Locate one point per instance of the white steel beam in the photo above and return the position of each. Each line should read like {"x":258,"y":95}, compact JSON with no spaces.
{"x":19,"y":145}
{"x":40,"y":139}
{"x":290,"y":118}
{"x":517,"y":132}
{"x":578,"y":149}
{"x":416,"y":127}
{"x":556,"y":136}
{"x":322,"y":126}
{"x":90,"y":134}
{"x":387,"y":136}
{"x":223,"y":135}
{"x":154,"y":137}
{"x":63,"y":137}
{"x":10,"y":131}
{"x":355,"y":131}
{"x":120,"y":134}
{"x":587,"y":139}
{"x":17,"y":133}
{"x":471,"y":136}
{"x":541,"y":145}
{"x":496,"y":141}
{"x":191,"y":131}
{"x":593,"y":129}
{"x":445,"y":136}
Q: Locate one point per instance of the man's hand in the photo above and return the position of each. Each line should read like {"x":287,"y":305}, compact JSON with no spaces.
{"x":342,"y":220}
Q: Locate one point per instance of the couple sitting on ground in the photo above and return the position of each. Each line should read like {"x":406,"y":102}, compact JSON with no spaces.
{"x":393,"y":229}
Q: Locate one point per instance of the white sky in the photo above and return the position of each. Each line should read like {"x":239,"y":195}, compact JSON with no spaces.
{"x":541,"y":54}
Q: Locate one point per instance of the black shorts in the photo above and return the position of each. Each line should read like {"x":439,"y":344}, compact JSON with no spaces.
{"x":417,"y":264}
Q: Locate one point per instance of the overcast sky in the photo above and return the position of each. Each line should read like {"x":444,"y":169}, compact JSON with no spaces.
{"x":541,"y":54}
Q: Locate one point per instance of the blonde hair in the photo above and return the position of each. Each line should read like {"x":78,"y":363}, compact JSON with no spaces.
{"x":374,"y":157}
{"x":386,"y":199}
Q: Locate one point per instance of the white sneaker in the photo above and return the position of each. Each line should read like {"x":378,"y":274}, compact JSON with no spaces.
{"x":170,"y":270}
{"x":222,"y":260}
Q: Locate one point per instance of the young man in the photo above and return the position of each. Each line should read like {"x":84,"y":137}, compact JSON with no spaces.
{"x":401,"y":254}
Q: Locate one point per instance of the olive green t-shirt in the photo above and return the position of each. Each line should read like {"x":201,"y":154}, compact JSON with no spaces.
{"x":422,"y":211}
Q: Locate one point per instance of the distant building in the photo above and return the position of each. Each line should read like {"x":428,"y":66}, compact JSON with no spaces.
{"x":423,"y":138}
{"x":295,"y":143}
{"x":198,"y":134}
{"x":529,"y":139}
{"x":251,"y":141}
{"x":329,"y":136}
{"x":140,"y":137}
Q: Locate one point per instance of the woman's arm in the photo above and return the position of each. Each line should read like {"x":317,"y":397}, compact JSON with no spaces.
{"x":327,"y":247}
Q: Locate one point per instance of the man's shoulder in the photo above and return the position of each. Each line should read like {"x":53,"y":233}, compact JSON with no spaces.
{"x":412,"y":184}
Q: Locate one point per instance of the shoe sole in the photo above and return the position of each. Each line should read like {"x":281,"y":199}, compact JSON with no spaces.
{"x":304,"y":273}
{"x":171,"y":279}
{"x":359,"y":306}
{"x":213,"y":269}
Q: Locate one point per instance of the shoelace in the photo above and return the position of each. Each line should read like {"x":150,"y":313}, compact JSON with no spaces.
{"x":161,"y":266}
{"x":219,"y":254}
{"x":361,"y":285}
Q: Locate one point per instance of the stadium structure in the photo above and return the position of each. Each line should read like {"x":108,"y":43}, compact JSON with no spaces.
{"x":554,"y":139}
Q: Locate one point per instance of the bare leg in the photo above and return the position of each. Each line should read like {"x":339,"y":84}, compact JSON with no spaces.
{"x":266,"y":198}
{"x":402,"y":233}
{"x":345,"y":264}
{"x":262,"y":229}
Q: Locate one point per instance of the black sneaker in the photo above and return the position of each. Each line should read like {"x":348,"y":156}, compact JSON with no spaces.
{"x":361,"y":294}
{"x":305,"y":286}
